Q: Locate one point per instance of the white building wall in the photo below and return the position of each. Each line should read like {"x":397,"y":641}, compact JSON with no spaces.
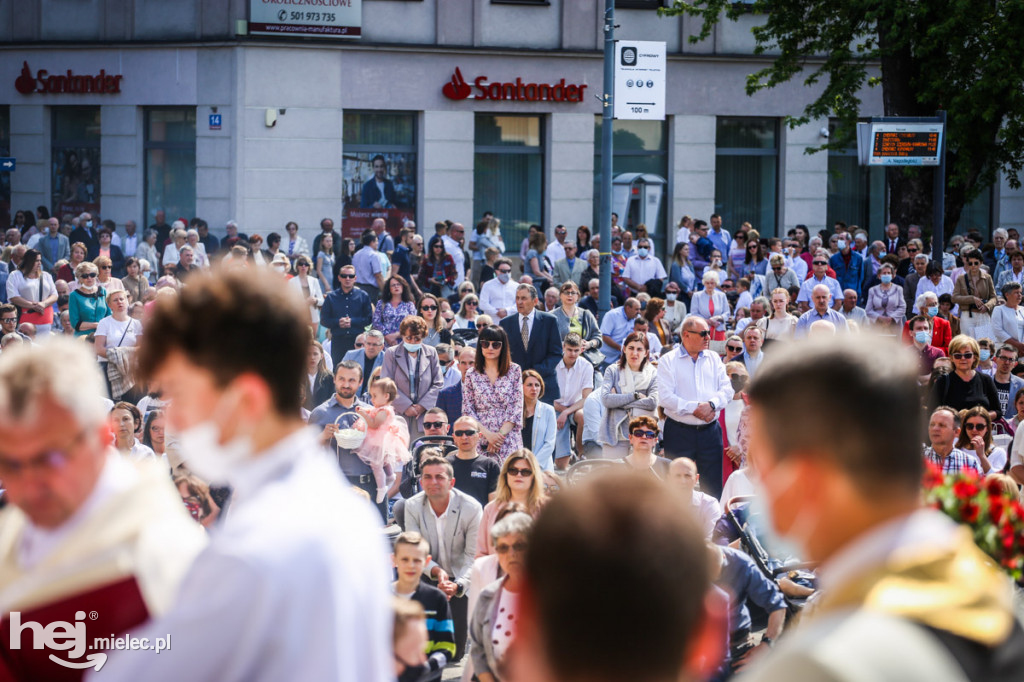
{"x":571,"y":160}
{"x":30,"y":145}
{"x":803,"y":187}
{"x":447,"y":179}
{"x":121,"y":179}
{"x":693,"y":168}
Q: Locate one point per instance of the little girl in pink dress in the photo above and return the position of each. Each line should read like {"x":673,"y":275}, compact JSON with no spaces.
{"x":386,"y":447}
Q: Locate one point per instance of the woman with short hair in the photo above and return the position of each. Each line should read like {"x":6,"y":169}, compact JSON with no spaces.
{"x":965,"y":387}
{"x":135,"y":283}
{"x":643,"y":437}
{"x":66,"y":272}
{"x":1008,"y":318}
{"x":570,"y":317}
{"x":712,"y":305}
{"x":886,"y":306}
{"x":87,"y":304}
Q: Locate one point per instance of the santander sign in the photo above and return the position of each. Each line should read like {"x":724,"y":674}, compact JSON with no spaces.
{"x":457,"y":88}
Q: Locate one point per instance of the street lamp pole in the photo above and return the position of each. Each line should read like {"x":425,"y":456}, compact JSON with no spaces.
{"x":604,"y":302}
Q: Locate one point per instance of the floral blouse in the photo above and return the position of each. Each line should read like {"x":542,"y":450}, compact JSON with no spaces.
{"x":387,"y":318}
{"x":494,"y":404}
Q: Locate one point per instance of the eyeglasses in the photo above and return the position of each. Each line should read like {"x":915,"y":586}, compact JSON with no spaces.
{"x":518,"y":471}
{"x":644,"y":434}
{"x":503,"y":272}
{"x":437,"y":246}
{"x":88,"y":275}
{"x":963,"y":356}
{"x":820,"y":262}
{"x":433,"y":425}
{"x":346,"y":276}
{"x":975,"y":427}
{"x":105,"y":267}
{"x":428,"y":307}
{"x":464,"y":432}
{"x":502,"y":548}
{"x":735,"y":349}
{"x":703,"y":334}
{"x":469,"y":303}
{"x":490,"y":344}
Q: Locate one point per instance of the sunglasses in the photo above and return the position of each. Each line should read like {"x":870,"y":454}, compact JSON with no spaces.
{"x":644,"y":434}
{"x":963,"y":356}
{"x":344,"y":276}
{"x":428,"y":307}
{"x":502,"y":548}
{"x":491,"y":344}
{"x":106,"y":267}
{"x":516,"y":471}
{"x":464,"y":432}
{"x":975,"y":427}
{"x":89,"y":275}
{"x":704,"y":334}
{"x":735,"y":349}
{"x":9,"y":320}
{"x":503,"y":272}
{"x":469,"y":303}
{"x":820,"y":262}
{"x":433,"y":425}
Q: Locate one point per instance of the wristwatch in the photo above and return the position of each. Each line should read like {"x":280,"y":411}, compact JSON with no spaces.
{"x":768,"y":640}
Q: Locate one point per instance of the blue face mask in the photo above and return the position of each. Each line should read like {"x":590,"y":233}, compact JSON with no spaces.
{"x":886,"y":279}
{"x":412,"y":347}
{"x":933,"y":311}
{"x":617,"y":252}
{"x":984,"y":355}
{"x":642,"y":252}
{"x":88,"y":223}
{"x":923,"y":337}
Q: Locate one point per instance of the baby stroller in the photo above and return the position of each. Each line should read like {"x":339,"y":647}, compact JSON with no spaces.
{"x":792,"y":575}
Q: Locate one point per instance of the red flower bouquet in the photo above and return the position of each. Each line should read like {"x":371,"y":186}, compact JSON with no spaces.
{"x":994,"y":516}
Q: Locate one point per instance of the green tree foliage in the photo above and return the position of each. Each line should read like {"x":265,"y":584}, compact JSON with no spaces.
{"x":964,"y":56}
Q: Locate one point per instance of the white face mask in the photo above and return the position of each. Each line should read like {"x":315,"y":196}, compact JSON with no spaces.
{"x":206,"y":457}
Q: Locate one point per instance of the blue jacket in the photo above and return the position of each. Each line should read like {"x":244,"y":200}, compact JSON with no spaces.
{"x":543,"y":437}
{"x":849,"y":276}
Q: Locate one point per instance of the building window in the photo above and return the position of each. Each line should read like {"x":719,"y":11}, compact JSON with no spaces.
{"x":378,"y":170}
{"x":977,"y":215}
{"x":508,"y":173}
{"x":5,"y":177}
{"x":746,"y":173}
{"x":170,"y":162}
{"x":76,"y":161}
{"x":639,"y":147}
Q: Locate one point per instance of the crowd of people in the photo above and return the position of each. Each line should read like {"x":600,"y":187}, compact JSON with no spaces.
{"x":455,"y":387}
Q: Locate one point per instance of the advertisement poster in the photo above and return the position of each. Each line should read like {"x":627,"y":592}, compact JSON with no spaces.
{"x":322,"y":18}
{"x":76,"y":180}
{"x":377,"y":186}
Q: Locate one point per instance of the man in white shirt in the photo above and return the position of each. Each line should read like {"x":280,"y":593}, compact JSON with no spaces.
{"x":369,"y":273}
{"x":449,"y":520}
{"x":683,"y":475}
{"x":453,"y":247}
{"x":575,"y":382}
{"x":692,"y":388}
{"x":85,"y":529}
{"x":642,"y":267}
{"x":556,"y":249}
{"x":294,"y":584}
{"x":498,"y":295}
{"x":130,"y":242}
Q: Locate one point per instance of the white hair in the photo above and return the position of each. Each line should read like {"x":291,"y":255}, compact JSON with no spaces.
{"x":922,"y":301}
{"x":1000,"y":232}
{"x":192,"y":233}
{"x":231,"y":223}
{"x":711,"y":275}
{"x":65,"y":371}
{"x":178,"y":225}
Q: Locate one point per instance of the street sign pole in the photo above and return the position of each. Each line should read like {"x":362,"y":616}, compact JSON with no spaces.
{"x":939,"y":198}
{"x":604,"y":301}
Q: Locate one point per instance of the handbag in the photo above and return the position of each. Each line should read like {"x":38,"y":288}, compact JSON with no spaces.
{"x":43,"y":318}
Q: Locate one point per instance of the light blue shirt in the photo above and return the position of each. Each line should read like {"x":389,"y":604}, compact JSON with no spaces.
{"x":616,"y":326}
{"x":803,"y":325}
{"x":808,"y":286}
{"x":367,"y":264}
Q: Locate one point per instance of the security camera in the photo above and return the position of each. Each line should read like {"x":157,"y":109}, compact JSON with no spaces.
{"x":271,"y":119}
{"x":824,"y":132}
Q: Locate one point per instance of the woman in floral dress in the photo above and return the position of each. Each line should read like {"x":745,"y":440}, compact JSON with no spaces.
{"x":396,"y":304}
{"x":492,"y":393}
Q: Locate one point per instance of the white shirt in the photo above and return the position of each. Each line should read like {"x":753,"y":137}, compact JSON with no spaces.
{"x":36,"y":543}
{"x":593,"y":413}
{"x":797,"y":265}
{"x":571,"y":382}
{"x":453,"y":249}
{"x":708,"y":512}
{"x":130,"y":245}
{"x":298,"y":558}
{"x":117,"y":334}
{"x":140,"y":452}
{"x":170,"y":254}
{"x":451,"y":376}
{"x":684,"y":383}
{"x":642,"y":269}
{"x":441,"y":523}
{"x":737,"y":485}
{"x":555,"y":251}
{"x":495,"y":296}
{"x":683,"y":235}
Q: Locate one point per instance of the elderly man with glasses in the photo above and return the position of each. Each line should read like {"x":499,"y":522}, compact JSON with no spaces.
{"x":819,"y":277}
{"x":693,"y":387}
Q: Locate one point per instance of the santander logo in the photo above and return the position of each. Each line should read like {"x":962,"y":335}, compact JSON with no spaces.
{"x":69,"y":82}
{"x":458,"y":89}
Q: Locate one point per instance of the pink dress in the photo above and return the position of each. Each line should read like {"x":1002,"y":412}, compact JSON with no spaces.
{"x":494,"y":404}
{"x":387,"y":445}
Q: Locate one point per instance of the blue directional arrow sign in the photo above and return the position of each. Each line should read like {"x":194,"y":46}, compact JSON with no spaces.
{"x":7,"y":164}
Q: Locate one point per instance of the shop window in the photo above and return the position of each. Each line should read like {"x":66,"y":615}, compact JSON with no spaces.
{"x":378,"y":170}
{"x":639,"y":147}
{"x":170,"y":162}
{"x":746,"y":173}
{"x":75,"y":155}
{"x":508,"y":173}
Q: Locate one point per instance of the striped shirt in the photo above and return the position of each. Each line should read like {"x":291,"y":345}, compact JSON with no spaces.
{"x":954,"y":462}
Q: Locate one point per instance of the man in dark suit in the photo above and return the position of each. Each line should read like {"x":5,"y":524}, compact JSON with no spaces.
{"x":87,"y":234}
{"x":378,"y":191}
{"x":533,"y":339}
{"x":893,"y":240}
